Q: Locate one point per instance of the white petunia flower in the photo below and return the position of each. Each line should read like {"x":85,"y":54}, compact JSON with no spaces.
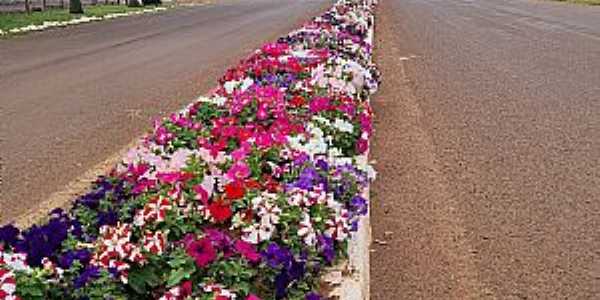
{"x":343,"y":125}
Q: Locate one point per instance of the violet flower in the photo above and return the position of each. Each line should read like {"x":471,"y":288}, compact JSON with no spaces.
{"x":326,"y":247}
{"x":359,"y":205}
{"x":91,"y":272}
{"x":9,"y":234}
{"x":277,"y":256}
{"x":312,"y":296}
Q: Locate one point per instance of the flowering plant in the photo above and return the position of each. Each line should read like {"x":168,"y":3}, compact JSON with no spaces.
{"x":246,"y":194}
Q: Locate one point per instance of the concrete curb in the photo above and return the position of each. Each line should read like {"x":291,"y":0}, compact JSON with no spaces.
{"x":351,"y":279}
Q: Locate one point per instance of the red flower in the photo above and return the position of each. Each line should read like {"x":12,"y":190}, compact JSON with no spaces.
{"x":220,"y":211}
{"x":202,"y":251}
{"x":298,"y":101}
{"x":253,"y":184}
{"x":235,"y":190}
{"x":186,"y":288}
{"x":270,"y":184}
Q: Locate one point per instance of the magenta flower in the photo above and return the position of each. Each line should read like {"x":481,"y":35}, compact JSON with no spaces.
{"x":365,"y":123}
{"x":172,"y":177}
{"x":202,"y":251}
{"x":264,"y":140}
{"x":201,"y":194}
{"x":241,"y":152}
{"x":247,"y":250}
{"x":239,"y":170}
{"x":262,"y":112}
{"x":163,"y":136}
{"x":252,"y":297}
{"x":319,"y":104}
{"x":362,"y":146}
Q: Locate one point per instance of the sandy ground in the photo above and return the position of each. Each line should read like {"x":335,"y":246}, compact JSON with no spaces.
{"x":488,"y":150}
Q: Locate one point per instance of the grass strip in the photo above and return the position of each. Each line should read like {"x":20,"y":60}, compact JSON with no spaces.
{"x":588,"y":2}
{"x":20,"y":19}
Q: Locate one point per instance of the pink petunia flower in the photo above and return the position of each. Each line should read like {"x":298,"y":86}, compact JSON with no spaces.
{"x":319,"y":104}
{"x":264,"y":139}
{"x":362,"y":145}
{"x":247,"y":250}
{"x":202,"y":251}
{"x":241,"y":152}
{"x":239,"y":170}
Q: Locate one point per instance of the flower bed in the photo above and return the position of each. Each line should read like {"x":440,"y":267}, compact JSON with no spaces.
{"x":250,"y":193}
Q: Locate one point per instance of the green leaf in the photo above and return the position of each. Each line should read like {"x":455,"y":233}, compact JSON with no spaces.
{"x":176,"y":276}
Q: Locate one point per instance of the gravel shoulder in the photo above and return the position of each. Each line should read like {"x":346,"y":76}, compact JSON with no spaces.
{"x":419,"y":249}
{"x":487,"y":145}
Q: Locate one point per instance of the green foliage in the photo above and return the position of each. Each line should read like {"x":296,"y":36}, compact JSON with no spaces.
{"x":31,"y":286}
{"x":143,"y":279}
{"x":182,"y":267}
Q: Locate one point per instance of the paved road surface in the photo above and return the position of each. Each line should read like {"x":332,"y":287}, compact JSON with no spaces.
{"x":72,"y":97}
{"x":488,"y":147}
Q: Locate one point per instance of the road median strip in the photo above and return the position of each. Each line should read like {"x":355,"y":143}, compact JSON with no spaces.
{"x":258,"y":191}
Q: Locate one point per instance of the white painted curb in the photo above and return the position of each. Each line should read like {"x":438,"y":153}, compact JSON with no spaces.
{"x":351,"y":279}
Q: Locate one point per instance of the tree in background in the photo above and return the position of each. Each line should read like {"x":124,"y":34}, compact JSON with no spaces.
{"x":134,"y":3}
{"x":152,"y":2}
{"x":75,"y":7}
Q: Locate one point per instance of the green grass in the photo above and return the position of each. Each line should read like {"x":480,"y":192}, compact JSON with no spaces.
{"x":15,"y":20}
{"x":102,"y":10}
{"x":588,"y":2}
{"x":20,"y":19}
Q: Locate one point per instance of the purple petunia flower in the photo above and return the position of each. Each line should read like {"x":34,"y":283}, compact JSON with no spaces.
{"x":301,"y":159}
{"x":9,"y":234}
{"x":221,"y":241}
{"x":296,"y":270}
{"x":91,"y":272}
{"x":41,"y":241}
{"x":277,"y":256}
{"x":359,"y":205}
{"x":67,"y":259}
{"x":327,"y":248}
{"x":109,"y":217}
{"x":76,"y":228}
{"x":307,"y":179}
{"x":322,"y":164}
{"x":312,"y":296}
{"x":292,"y":272}
{"x":282,"y":281}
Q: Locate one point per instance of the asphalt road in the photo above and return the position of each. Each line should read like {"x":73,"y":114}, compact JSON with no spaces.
{"x":72,"y":97}
{"x":488,"y":150}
